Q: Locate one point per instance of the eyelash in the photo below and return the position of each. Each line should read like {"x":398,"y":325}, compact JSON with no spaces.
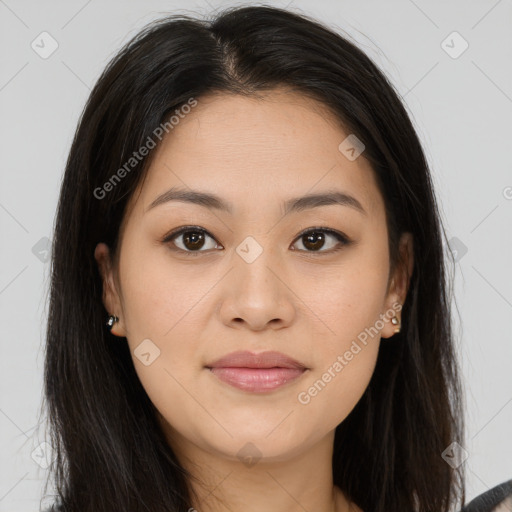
{"x":343,"y":239}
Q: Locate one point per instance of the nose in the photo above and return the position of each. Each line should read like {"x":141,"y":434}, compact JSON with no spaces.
{"x":256,"y":295}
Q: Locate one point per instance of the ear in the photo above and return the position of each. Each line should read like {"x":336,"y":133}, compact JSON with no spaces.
{"x":399,"y":284}
{"x":111,"y":299}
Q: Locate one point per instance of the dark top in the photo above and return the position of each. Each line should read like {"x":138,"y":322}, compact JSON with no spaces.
{"x":497,"y":499}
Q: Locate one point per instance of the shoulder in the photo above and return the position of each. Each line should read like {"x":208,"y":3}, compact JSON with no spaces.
{"x":497,"y":499}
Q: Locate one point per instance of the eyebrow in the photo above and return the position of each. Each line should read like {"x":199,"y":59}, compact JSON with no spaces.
{"x":298,"y":204}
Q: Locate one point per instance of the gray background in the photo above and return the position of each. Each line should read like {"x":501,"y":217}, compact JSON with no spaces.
{"x":461,"y":106}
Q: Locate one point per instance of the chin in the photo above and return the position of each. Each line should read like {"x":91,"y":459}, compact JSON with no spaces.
{"x":257,"y":445}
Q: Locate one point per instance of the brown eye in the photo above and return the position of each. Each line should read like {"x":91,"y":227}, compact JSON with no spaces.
{"x":191,"y":239}
{"x":315,"y":240}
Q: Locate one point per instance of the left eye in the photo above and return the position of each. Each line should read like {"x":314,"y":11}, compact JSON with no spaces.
{"x":194,"y":240}
{"x":315,"y":239}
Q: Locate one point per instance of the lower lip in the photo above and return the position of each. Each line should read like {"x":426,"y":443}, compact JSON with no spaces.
{"x":257,"y":380}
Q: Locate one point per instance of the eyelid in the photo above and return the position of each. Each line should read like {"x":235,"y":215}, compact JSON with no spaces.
{"x":182,"y":229}
{"x":324,"y":229}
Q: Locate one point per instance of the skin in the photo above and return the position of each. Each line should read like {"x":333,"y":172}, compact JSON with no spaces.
{"x":504,"y":506}
{"x":310,"y":305}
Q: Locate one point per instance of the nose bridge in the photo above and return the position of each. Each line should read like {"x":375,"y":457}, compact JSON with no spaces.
{"x":255,"y":265}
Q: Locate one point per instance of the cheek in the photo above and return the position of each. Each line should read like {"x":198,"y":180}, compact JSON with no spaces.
{"x":158,"y":296}
{"x":160,"y":306}
{"x":347,"y":299}
{"x":331,"y":393}
{"x":349,"y":304}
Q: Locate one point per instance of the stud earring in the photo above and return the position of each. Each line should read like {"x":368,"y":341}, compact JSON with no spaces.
{"x":112,"y":319}
{"x":395,"y":321}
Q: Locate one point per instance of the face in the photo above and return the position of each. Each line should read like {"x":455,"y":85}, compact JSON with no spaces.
{"x":254,"y":271}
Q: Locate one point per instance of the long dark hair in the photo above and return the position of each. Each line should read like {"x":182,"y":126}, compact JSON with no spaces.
{"x":110,"y":451}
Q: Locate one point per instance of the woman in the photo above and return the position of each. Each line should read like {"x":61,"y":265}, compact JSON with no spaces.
{"x":247,"y":204}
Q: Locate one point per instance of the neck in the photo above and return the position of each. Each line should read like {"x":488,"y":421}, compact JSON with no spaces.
{"x":294,"y":483}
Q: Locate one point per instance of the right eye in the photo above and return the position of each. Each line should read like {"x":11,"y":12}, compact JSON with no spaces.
{"x":190,"y":240}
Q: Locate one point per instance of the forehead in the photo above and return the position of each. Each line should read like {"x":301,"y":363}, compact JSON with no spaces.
{"x":260,"y":150}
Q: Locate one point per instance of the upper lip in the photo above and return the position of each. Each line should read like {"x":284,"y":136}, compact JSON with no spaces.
{"x":246,"y":359}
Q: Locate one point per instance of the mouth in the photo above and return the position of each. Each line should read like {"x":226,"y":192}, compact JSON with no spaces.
{"x":257,"y":373}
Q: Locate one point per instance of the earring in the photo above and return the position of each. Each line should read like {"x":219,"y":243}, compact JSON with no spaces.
{"x":395,"y":321}
{"x":112,"y":319}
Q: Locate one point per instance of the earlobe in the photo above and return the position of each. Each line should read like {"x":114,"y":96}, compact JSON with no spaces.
{"x":110,"y":296}
{"x":400,"y":286}
{"x":393,"y":322}
{"x":396,"y":322}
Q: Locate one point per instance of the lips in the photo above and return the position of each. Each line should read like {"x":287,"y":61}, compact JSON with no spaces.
{"x":245,"y":359}
{"x":256,"y":373}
